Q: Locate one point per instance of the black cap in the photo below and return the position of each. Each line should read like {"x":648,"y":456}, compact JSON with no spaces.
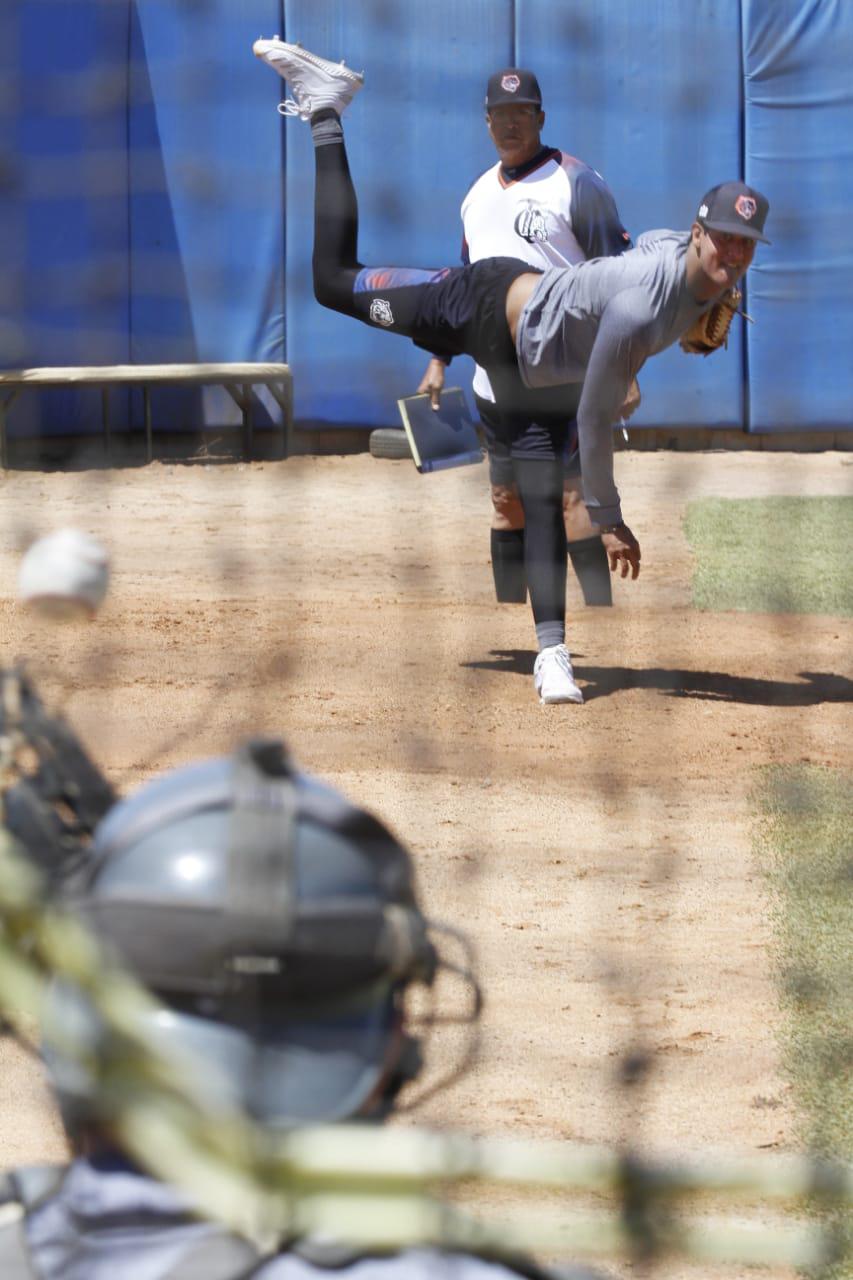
{"x":734,"y":207}
{"x":513,"y":84}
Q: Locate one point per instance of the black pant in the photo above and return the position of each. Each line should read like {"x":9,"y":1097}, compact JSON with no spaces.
{"x":448,"y":310}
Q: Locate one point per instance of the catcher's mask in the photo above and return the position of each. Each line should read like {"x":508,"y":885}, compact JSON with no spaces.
{"x":278,"y":925}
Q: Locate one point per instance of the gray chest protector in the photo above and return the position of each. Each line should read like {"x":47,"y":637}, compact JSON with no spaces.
{"x":217,"y":1257}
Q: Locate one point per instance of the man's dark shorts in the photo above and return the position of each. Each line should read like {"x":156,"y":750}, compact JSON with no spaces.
{"x":535,"y":434}
{"x":463,"y":311}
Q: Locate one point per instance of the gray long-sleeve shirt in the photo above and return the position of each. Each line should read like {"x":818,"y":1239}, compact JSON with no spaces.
{"x":598,"y":323}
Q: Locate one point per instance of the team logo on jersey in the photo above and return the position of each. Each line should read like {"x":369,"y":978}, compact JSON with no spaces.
{"x":511,"y":84}
{"x":746,"y":206}
{"x":530,"y":224}
{"x":381,"y":313}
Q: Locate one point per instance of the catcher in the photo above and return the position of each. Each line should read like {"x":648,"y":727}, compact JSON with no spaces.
{"x":278,"y":927}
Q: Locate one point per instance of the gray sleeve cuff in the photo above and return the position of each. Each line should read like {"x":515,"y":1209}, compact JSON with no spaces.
{"x":604,"y":515}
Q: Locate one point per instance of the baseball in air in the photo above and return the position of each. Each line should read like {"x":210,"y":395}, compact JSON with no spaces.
{"x":64,"y":575}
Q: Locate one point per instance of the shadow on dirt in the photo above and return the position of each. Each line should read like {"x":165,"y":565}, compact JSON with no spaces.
{"x":808,"y":690}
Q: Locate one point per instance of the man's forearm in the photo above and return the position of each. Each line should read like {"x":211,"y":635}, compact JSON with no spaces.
{"x":595,"y":440}
{"x":609,"y":374}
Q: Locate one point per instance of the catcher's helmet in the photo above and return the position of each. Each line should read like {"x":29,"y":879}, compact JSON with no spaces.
{"x":278,"y":925}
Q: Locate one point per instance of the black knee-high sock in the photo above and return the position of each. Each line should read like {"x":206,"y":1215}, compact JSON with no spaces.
{"x":540,"y":486}
{"x":508,"y":566}
{"x":589,"y":561}
{"x":335,"y":260}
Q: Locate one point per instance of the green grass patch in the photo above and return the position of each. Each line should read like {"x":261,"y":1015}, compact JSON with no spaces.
{"x":803,"y":841}
{"x":772,"y":555}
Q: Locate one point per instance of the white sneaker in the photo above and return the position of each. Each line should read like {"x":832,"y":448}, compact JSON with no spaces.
{"x":316,"y":83}
{"x":553,"y":676}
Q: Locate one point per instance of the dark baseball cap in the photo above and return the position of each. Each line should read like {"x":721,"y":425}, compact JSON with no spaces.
{"x":734,"y":207}
{"x":513,"y":84}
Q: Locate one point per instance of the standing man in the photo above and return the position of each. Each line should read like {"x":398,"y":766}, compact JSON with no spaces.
{"x":595,"y":323}
{"x":551,"y":210}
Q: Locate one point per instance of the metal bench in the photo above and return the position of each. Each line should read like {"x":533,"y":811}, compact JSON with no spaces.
{"x":237,"y":379}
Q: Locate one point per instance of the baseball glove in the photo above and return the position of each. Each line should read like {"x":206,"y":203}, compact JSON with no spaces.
{"x":711,"y":330}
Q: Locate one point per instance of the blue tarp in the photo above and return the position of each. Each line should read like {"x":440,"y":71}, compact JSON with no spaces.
{"x":64,"y":261}
{"x":158,"y":208}
{"x":798,"y":61}
{"x":146,"y":215}
{"x":206,"y":202}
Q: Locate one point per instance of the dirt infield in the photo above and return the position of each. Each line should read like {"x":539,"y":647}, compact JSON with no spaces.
{"x":600,"y":855}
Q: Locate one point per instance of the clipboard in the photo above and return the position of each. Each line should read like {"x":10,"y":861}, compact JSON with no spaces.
{"x":444,"y":437}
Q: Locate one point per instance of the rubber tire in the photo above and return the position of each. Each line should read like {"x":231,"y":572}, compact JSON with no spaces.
{"x":390,"y":442}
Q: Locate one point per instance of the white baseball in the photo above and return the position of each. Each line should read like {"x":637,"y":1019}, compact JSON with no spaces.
{"x":64,"y":575}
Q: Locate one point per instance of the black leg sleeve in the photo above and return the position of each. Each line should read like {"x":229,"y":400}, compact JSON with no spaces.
{"x":508,"y":566}
{"x":438,"y":308}
{"x":540,"y":486}
{"x":589,"y":561}
{"x":335,"y":261}
{"x":391,"y":298}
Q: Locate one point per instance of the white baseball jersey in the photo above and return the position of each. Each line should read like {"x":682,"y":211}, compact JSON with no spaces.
{"x":555,"y":211}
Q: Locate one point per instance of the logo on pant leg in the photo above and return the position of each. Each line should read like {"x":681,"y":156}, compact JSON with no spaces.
{"x":381,"y":313}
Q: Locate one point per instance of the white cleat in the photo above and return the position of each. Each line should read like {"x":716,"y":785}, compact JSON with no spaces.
{"x":553,"y":676}
{"x":316,"y":83}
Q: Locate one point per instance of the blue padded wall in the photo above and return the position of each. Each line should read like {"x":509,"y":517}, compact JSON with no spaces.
{"x":63,"y":237}
{"x":206,"y":213}
{"x":416,"y":140}
{"x":650,"y":96}
{"x":798,"y":57}
{"x":148,"y":224}
{"x":158,"y":209}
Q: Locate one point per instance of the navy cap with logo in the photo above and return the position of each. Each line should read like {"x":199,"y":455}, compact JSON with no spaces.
{"x":513,"y":84}
{"x":734,"y":207}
